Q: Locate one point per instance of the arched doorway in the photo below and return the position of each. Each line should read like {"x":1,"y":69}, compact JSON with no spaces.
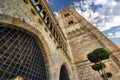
{"x":21,"y":55}
{"x":64,"y":73}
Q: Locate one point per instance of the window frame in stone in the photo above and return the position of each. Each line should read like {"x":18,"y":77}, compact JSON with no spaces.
{"x":39,"y":21}
{"x":51,"y":27}
{"x":43,"y":14}
{"x":70,"y":22}
{"x":38,"y":7}
{"x":33,"y":12}
{"x":47,"y":20}
{"x":66,"y":15}
{"x":26,"y":1}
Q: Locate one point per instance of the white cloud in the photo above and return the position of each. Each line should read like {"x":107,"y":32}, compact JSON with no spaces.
{"x":51,"y":2}
{"x":114,"y":35}
{"x":108,"y":24}
{"x":48,"y":1}
{"x":98,"y":2}
{"x":110,"y":34}
{"x":117,"y":33}
{"x":105,"y":17}
{"x":56,"y":15}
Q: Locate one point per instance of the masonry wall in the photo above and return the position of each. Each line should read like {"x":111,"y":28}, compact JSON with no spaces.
{"x":22,"y":15}
{"x":83,"y":38}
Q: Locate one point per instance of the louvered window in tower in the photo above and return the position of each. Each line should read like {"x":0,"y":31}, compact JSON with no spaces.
{"x":67,"y":14}
{"x":70,"y":22}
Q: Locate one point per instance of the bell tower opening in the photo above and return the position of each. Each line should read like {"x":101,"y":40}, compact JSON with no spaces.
{"x":67,"y":14}
{"x":64,"y":73}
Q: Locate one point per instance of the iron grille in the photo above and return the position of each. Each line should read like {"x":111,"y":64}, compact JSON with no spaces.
{"x":20,"y":55}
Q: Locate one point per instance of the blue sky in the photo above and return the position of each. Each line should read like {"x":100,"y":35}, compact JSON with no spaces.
{"x":104,"y":14}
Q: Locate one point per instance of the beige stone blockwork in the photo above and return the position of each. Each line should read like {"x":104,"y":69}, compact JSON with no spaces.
{"x":17,"y":14}
{"x":84,"y":40}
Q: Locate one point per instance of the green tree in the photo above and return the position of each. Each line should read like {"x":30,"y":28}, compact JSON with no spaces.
{"x":98,"y":67}
{"x":96,"y":57}
{"x":109,"y":75}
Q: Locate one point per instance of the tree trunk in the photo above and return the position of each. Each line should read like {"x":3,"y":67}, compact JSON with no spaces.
{"x":103,"y":71}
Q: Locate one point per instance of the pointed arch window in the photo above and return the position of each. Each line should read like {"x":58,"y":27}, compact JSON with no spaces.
{"x":54,"y":32}
{"x":51,"y":27}
{"x":64,"y":75}
{"x":43,"y":14}
{"x":47,"y":20}
{"x":38,"y":7}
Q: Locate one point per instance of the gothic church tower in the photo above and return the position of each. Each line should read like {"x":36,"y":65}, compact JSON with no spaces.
{"x":83,"y":38}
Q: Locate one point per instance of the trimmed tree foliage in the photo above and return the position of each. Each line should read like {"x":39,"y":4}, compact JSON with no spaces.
{"x":98,"y":67}
{"x":108,"y":74}
{"x":98,"y":54}
{"x":96,"y":57}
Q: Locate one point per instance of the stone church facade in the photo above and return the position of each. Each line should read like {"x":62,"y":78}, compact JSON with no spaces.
{"x":33,"y":46}
{"x":83,"y":38}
